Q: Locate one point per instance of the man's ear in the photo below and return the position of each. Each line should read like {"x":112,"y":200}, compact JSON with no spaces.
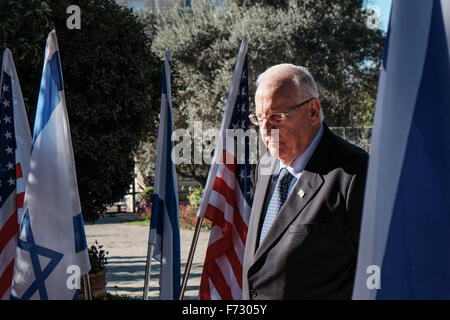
{"x":315,"y":111}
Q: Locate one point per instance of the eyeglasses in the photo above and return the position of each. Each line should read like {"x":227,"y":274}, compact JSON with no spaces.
{"x":276,"y":118}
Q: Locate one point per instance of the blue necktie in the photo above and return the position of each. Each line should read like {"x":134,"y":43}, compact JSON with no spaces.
{"x":279,"y":196}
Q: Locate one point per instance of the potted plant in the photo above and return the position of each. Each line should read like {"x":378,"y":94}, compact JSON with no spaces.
{"x":97,"y":274}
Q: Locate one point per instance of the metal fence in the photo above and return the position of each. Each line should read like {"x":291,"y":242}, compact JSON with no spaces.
{"x":360,"y":136}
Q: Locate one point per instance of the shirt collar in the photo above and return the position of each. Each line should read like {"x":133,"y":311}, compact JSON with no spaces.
{"x":296,"y":168}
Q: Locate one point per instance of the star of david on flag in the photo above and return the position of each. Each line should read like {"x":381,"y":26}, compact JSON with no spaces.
{"x":52,"y":241}
{"x":36,"y":251}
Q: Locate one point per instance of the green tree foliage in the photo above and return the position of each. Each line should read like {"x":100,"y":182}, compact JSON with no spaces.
{"x":24,"y":26}
{"x":330,"y":38}
{"x":274,"y":3}
{"x":111,"y":80}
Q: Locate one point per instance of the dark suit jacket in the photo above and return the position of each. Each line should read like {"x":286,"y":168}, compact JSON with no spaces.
{"x":310,"y":250}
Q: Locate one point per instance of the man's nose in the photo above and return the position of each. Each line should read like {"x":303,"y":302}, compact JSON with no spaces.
{"x":266,"y":125}
{"x":267,"y":128}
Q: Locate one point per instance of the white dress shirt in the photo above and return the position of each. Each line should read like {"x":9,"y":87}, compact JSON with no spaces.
{"x":299,"y":164}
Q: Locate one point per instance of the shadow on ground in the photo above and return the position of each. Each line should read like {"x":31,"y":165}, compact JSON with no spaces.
{"x":116,"y":218}
{"x":126,"y":276}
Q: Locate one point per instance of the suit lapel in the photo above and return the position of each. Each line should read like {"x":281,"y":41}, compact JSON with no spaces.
{"x":310,"y":182}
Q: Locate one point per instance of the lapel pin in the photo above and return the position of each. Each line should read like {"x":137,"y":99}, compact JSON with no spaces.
{"x":301,"y":193}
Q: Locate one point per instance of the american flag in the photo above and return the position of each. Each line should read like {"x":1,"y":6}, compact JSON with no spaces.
{"x":228,"y":206}
{"x":13,"y":134}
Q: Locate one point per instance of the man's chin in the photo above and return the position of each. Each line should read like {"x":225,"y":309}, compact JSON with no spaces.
{"x":275,"y":152}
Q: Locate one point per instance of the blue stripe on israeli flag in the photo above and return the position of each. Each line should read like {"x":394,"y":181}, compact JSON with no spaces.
{"x":406,"y":218}
{"x":164,"y":224}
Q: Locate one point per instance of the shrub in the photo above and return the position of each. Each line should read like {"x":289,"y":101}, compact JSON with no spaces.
{"x":195,"y":196}
{"x":97,"y":258}
{"x":145,"y":202}
{"x":188,"y":218}
{"x":187,"y":213}
{"x":147,"y":193}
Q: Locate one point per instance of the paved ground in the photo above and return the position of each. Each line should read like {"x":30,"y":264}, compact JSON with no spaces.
{"x":127,"y":247}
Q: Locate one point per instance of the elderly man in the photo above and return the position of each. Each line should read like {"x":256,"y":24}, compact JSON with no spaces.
{"x":304,"y":227}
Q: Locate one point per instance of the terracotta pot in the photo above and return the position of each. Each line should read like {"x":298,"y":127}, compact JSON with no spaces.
{"x":98,"y":286}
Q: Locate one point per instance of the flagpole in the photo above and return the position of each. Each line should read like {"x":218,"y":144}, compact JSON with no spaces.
{"x":216,"y":158}
{"x":187,"y":270}
{"x":87,"y":287}
{"x":148,"y":268}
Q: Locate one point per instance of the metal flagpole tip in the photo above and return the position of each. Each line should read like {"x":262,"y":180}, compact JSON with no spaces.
{"x":168,"y":55}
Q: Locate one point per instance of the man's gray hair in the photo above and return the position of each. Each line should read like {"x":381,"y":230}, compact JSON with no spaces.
{"x":303,"y":80}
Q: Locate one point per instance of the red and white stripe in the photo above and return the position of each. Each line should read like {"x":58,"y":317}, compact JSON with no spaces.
{"x":11,"y":211}
{"x":229,"y":213}
{"x":223,"y":203}
{"x":9,"y":233}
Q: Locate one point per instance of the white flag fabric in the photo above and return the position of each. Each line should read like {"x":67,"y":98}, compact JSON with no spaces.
{"x":52,"y":250}
{"x":15,"y":139}
{"x":404,"y":250}
{"x":164,"y":225}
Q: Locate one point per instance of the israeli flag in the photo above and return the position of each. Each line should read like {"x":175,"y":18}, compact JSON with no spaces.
{"x":164,"y":224}
{"x":52,"y":249}
{"x":404,"y":250}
